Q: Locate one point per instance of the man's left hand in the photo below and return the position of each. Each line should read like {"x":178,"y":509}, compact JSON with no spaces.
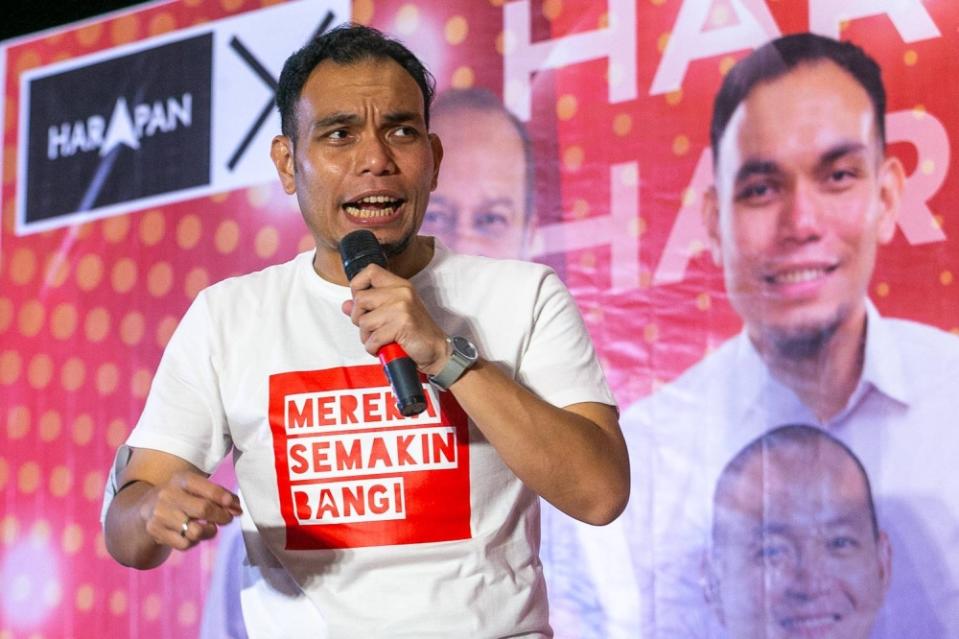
{"x":387,"y":309}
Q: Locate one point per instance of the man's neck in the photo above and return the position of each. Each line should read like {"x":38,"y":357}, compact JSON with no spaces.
{"x":328,"y":263}
{"x":826,"y":379}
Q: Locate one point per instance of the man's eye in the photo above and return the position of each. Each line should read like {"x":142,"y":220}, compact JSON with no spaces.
{"x":841,"y":176}
{"x":842,"y":543}
{"x":772,"y":553}
{"x":438,"y":220}
{"x":338,"y":134}
{"x":756,"y":193}
{"x":490,"y":222}
{"x":405,"y":132}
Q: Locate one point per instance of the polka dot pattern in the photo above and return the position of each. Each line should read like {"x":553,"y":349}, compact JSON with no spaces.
{"x":85,"y":311}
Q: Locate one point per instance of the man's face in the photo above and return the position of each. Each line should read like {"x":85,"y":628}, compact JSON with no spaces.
{"x":479,"y":203}
{"x":795,"y":554}
{"x":803,"y":196}
{"x":362,"y":157}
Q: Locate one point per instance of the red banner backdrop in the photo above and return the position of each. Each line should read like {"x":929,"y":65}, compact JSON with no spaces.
{"x":616,"y":98}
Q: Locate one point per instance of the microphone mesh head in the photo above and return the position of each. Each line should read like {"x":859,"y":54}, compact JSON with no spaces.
{"x":358,"y":249}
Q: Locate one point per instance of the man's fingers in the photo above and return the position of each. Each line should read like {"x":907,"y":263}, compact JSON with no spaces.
{"x":201,"y":487}
{"x":188,"y":509}
{"x":189,"y":533}
{"x":373,"y":276}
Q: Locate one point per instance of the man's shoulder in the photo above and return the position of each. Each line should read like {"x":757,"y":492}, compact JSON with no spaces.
{"x":502,"y":267}
{"x":708,"y":383}
{"x":923,"y":340}
{"x":256,"y":283}
{"x":495,"y":279}
{"x":926,"y":352}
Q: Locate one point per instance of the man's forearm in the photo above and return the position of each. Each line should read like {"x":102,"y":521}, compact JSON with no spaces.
{"x":125,"y":533}
{"x":577,"y":464}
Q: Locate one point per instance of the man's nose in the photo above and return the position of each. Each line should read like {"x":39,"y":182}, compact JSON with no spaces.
{"x":374,"y":156}
{"x":809,"y":574}
{"x":801,"y":215}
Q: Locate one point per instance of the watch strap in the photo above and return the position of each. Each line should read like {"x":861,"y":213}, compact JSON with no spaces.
{"x":455,"y":366}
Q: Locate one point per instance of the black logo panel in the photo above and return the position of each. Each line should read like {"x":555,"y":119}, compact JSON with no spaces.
{"x":119,"y":130}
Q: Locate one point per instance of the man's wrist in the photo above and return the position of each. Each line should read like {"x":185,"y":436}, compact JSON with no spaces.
{"x":462,"y":354}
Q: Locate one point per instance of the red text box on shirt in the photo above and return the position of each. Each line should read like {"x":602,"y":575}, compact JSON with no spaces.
{"x":353,"y":472}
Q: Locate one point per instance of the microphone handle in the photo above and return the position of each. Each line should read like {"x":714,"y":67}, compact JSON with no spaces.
{"x":404,"y":378}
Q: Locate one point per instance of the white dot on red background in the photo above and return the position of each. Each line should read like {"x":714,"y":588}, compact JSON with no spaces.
{"x":40,"y":371}
{"x":72,"y":538}
{"x":28,"y":477}
{"x":107,"y":378}
{"x":18,"y":422}
{"x":89,"y":272}
{"x":61,"y":480}
{"x":93,"y":486}
{"x":152,"y":228}
{"x":195,"y":281}
{"x":6,"y":313}
{"x":23,"y":265}
{"x":165,"y":328}
{"x":73,"y":374}
{"x":188,"y":231}
{"x":123,"y":275}
{"x":160,"y":279}
{"x":50,"y":425}
{"x":97,"y":324}
{"x":82,"y":429}
{"x":266,"y":242}
{"x":63,"y":320}
{"x":132,"y":327}
{"x":31,"y":318}
{"x":227,"y":236}
{"x":10,"y":365}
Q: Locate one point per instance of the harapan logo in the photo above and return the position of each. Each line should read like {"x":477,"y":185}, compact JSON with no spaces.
{"x":144,"y":131}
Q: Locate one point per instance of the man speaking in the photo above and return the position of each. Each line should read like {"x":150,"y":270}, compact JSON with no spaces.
{"x":358,"y":521}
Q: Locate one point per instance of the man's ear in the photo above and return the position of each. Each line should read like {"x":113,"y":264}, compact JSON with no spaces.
{"x":437,"y":148}
{"x":711,"y":222}
{"x":892,"y":178}
{"x":884,"y":550}
{"x":710,"y":583}
{"x":281,"y":152}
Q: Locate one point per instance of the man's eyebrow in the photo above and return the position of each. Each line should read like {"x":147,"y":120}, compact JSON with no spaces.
{"x":774,"y":528}
{"x":499,"y":199}
{"x":396,"y":117}
{"x":756,"y":167}
{"x":840,"y":150}
{"x":334,"y":119}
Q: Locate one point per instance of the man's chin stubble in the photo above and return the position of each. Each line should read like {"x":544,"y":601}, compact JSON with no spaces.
{"x":802,"y":343}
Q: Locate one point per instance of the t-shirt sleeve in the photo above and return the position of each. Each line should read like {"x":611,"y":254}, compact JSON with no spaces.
{"x":559,"y":362}
{"x":184,"y":413}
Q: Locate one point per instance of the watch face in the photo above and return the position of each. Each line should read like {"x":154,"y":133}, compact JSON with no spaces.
{"x":464,"y":346}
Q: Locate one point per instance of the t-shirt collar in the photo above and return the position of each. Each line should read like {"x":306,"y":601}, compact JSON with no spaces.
{"x":882,"y":371}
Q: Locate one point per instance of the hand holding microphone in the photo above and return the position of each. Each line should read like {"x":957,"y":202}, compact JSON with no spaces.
{"x":358,"y":250}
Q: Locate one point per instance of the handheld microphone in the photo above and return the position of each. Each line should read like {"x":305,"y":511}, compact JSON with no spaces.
{"x":358,"y":249}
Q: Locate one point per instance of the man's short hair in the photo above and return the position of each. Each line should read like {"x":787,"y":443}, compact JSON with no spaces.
{"x":483,"y":100}
{"x":780,"y":56}
{"x":789,"y":436}
{"x":345,"y":44}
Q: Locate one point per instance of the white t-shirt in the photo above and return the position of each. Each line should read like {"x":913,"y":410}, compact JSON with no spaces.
{"x":357,"y":520}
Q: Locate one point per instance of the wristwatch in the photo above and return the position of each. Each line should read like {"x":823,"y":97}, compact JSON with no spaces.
{"x":462,"y":355}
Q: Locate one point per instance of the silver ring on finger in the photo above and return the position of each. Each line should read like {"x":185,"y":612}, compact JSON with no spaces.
{"x":184,"y":527}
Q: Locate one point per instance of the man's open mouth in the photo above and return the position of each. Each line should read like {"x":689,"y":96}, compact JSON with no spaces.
{"x":373,"y":206}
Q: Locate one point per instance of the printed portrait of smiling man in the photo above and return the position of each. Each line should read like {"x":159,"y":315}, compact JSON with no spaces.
{"x":805,"y":194}
{"x":796,"y":549}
